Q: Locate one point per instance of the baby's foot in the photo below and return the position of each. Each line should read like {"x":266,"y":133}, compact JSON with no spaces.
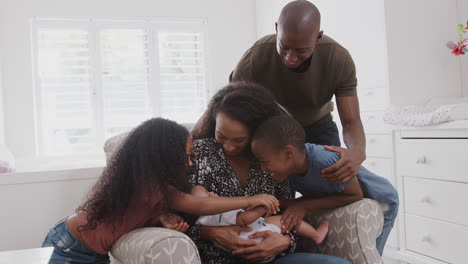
{"x":322,"y":232}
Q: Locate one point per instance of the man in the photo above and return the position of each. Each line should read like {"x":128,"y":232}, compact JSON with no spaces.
{"x":304,"y":69}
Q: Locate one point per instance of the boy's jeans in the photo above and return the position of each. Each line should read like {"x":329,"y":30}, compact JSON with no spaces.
{"x":382,"y":191}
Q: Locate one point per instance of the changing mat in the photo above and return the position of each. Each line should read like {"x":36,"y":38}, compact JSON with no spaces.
{"x":436,"y":111}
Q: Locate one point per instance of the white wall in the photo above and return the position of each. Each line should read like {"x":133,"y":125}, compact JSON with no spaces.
{"x":2,"y":126}
{"x":231,"y":31}
{"x":462,"y":18}
{"x":420,"y":65}
{"x":32,"y":202}
{"x":340,"y":22}
{"x":417,"y":66}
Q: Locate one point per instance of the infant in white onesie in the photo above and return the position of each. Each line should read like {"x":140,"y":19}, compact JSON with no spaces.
{"x":253,"y":219}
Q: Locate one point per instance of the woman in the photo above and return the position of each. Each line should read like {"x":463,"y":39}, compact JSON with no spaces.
{"x":226,"y":166}
{"x":135,"y":190}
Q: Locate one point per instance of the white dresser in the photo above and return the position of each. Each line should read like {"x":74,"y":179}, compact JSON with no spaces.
{"x":432,"y":178}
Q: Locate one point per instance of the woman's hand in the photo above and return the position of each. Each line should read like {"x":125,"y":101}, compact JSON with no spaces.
{"x":272,"y":245}
{"x":269,"y":201}
{"x":292,"y":217}
{"x":174,"y":222}
{"x":227,"y":236}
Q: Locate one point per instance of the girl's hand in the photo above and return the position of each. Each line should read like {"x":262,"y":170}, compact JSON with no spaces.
{"x":212,"y":194}
{"x":269,"y":201}
{"x":174,"y":222}
{"x":292,"y":217}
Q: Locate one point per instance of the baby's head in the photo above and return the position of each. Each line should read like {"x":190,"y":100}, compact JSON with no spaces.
{"x":200,"y":191}
{"x":278,"y":144}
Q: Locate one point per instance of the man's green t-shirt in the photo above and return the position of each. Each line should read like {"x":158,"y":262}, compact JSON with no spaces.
{"x":306,"y":95}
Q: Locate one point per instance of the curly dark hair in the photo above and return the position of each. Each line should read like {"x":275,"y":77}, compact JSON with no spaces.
{"x":152,"y":158}
{"x":246,"y":102}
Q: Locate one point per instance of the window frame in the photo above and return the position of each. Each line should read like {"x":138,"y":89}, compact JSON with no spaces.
{"x":94,"y":26}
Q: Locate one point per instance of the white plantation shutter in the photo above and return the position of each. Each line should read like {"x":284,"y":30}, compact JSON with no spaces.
{"x":182,"y":75}
{"x":124,"y":58}
{"x":96,"y":79}
{"x":65,"y":84}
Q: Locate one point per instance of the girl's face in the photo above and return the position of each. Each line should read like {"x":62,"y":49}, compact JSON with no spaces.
{"x":231,"y":134}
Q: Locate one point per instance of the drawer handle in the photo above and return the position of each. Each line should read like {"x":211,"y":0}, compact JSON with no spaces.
{"x":421,"y":160}
{"x":426,"y":200}
{"x":426,"y":239}
{"x":372,"y":140}
{"x":369,"y":93}
{"x":373,"y":163}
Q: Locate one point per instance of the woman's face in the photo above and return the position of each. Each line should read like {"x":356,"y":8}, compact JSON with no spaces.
{"x":231,"y":134}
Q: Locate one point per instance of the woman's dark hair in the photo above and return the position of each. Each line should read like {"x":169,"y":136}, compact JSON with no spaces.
{"x":246,"y":102}
{"x":152,"y":158}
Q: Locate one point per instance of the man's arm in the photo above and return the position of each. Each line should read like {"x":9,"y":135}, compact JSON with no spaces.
{"x":353,"y":134}
{"x":298,"y":208}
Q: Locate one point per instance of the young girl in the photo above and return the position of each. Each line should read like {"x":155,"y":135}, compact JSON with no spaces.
{"x":144,"y":180}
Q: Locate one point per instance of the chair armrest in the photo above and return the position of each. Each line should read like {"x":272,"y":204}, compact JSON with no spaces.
{"x":154,"y":245}
{"x":353,"y":232}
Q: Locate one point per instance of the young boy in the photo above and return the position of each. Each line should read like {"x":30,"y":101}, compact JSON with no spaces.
{"x":279,"y":145}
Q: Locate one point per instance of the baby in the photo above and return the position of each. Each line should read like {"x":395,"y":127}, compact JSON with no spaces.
{"x":252,"y":218}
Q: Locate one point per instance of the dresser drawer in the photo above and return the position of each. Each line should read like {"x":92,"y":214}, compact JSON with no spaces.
{"x":379,"y":146}
{"x":436,"y":199}
{"x":381,"y":166}
{"x":444,"y":159}
{"x":373,"y":122}
{"x":437,"y":239}
{"x":373,"y":99}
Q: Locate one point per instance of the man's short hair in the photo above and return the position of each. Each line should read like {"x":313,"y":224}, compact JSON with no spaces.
{"x":280,"y":131}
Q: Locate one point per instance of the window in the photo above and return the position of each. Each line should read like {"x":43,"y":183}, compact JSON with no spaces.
{"x":96,"y":78}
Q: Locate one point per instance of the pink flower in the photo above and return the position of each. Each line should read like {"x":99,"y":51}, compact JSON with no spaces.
{"x":459,"y":49}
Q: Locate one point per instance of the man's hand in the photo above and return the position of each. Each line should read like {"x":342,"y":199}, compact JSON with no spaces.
{"x":227,"y":236}
{"x":272,"y":245}
{"x":174,"y":222}
{"x":292,"y":217}
{"x":346,"y":168}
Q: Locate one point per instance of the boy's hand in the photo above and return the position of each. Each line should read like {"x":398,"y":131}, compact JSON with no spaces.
{"x":174,"y":222}
{"x":269,"y":201}
{"x":292,"y":217}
